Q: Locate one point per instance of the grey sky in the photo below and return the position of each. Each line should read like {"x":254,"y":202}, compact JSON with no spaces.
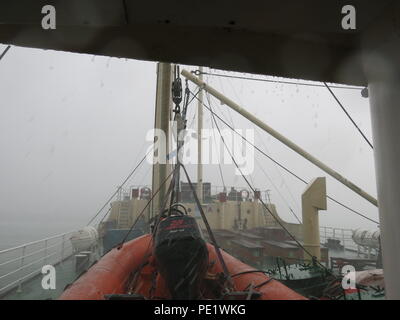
{"x":73,"y":126}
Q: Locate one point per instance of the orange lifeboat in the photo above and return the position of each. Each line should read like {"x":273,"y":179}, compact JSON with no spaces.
{"x":130,"y":272}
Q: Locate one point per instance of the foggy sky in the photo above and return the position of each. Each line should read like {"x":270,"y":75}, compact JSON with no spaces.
{"x":73,"y":126}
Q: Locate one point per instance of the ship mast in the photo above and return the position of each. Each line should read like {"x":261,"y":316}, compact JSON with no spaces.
{"x":199,"y":141}
{"x":161,"y":168}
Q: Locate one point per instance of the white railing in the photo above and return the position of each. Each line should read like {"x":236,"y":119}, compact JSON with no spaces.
{"x":344,"y":235}
{"x":238,"y":194}
{"x":24,"y":262}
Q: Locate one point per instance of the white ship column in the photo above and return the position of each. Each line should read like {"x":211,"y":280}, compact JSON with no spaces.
{"x":382,"y":66}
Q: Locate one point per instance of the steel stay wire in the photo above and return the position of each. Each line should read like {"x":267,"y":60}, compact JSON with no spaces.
{"x":198,"y":72}
{"x":284,"y":168}
{"x":120,"y":187}
{"x":265,"y":206}
{"x":146,"y":206}
{"x":348,"y":115}
{"x":213,"y":240}
{"x":5,"y":51}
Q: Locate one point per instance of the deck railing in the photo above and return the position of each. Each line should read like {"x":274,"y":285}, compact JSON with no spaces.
{"x":238,"y":194}
{"x":24,"y":262}
{"x":344,"y":235}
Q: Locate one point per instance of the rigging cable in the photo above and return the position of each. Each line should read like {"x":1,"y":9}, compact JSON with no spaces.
{"x":218,"y":153}
{"x":177,"y":169}
{"x":198,"y":72}
{"x":279,"y":172}
{"x":120,"y":187}
{"x":144,"y":261}
{"x":283,"y":167}
{"x":283,"y":180}
{"x":5,"y":51}
{"x":265,"y":206}
{"x":105,"y":215}
{"x":211,"y":234}
{"x":140,"y":184}
{"x":145,"y":207}
{"x":229,"y":112}
{"x":348,"y":115}
{"x":280,"y":194}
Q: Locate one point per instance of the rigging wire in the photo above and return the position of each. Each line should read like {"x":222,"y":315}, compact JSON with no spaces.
{"x":295,"y":215}
{"x":5,"y":51}
{"x":283,"y":167}
{"x":120,"y":187}
{"x":283,"y":180}
{"x":262,"y":169}
{"x":198,"y":72}
{"x":141,"y":183}
{"x":263,"y":203}
{"x":218,"y":152}
{"x":280,"y":194}
{"x":223,"y":91}
{"x":175,"y":180}
{"x":146,"y":206}
{"x":105,"y":215}
{"x":279,"y":172}
{"x":211,"y":234}
{"x":348,"y":115}
{"x":219,"y":163}
{"x":229,"y":113}
{"x":132,"y":285}
{"x":171,"y":187}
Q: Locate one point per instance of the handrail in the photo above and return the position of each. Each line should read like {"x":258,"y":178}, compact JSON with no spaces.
{"x":19,"y":280}
{"x":35,"y":242}
{"x":32,"y":253}
{"x":214,"y":191}
{"x":28,"y":265}
{"x":343,"y":234}
{"x":57,"y":246}
{"x":336,"y":228}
